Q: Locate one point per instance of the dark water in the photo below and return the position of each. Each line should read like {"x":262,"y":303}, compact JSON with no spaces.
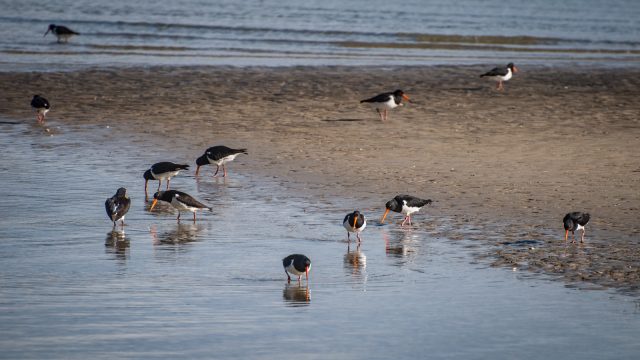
{"x":70,"y":288}
{"x":290,"y":32}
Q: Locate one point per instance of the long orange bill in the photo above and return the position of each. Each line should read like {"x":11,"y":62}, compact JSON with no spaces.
{"x":306,"y":270}
{"x":384,"y":216}
{"x":515,"y":69}
{"x":406,"y":98}
{"x":566,"y":235}
{"x":355,"y":219}
{"x":153,"y":204}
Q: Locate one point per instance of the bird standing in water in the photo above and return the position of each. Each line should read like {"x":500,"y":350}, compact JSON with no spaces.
{"x":354,"y":222}
{"x":219,"y":155}
{"x":41,"y":107}
{"x":117,"y":206}
{"x":405,"y":204}
{"x":180,"y":201}
{"x":62,"y":33}
{"x":296,"y":264}
{"x":575,"y":221}
{"x":160,"y":171}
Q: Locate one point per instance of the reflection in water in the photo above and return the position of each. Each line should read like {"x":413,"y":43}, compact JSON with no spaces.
{"x":401,"y":244}
{"x":355,"y":262}
{"x":117,"y":243}
{"x":183,"y":233}
{"x":295,"y":295}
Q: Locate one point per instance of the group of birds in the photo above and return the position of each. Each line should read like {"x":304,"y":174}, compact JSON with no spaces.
{"x":355,"y":222}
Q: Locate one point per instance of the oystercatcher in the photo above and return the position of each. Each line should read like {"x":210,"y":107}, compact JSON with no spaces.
{"x":354,"y":222}
{"x":179,"y":200}
{"x":118,"y":205}
{"x":63,"y":33}
{"x":405,"y":204}
{"x":575,"y":221}
{"x":160,"y":171}
{"x":386,"y":101}
{"x":296,"y":264}
{"x":218,"y":155}
{"x":501,"y":74}
{"x":41,"y":106}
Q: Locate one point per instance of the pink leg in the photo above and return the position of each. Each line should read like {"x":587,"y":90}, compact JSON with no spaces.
{"x":224,"y":170}
{"x":178,"y":216}
{"x":217,"y":169}
{"x":159,"y":183}
{"x":379,"y":113}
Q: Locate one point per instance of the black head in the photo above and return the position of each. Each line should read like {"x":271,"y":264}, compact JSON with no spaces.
{"x":513,"y":68}
{"x":147,"y":175}
{"x":122,"y":192}
{"x":393,"y":205}
{"x":398,"y":93}
{"x":163,"y":195}
{"x":202,"y":160}
{"x":52,"y":26}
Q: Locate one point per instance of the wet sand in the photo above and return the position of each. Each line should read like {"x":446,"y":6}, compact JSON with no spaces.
{"x":502,"y":167}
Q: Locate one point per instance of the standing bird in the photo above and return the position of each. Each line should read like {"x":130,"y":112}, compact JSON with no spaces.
{"x":575,"y":221}
{"x":405,"y":204}
{"x":63,"y":33}
{"x":386,"y":101}
{"x":218,"y":155}
{"x":160,"y":171}
{"x":179,"y":200}
{"x":41,"y":106}
{"x":354,"y":222}
{"x":296,"y":264}
{"x":501,"y":74}
{"x":117,"y":206}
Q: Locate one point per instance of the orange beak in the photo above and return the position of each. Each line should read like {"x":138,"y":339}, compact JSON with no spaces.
{"x":306,"y":271}
{"x":153,"y":204}
{"x":355,"y":220}
{"x":515,"y":69}
{"x":197,"y":170}
{"x":384,"y":216}
{"x":406,"y":97}
{"x":566,"y":235}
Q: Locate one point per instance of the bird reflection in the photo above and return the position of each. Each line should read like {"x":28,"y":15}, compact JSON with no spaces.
{"x":117,"y":243}
{"x":182,"y":233}
{"x":400,"y":244}
{"x":296,"y":295}
{"x":355,"y":261}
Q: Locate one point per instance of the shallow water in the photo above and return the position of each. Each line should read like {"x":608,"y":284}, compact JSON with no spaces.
{"x":72,"y":288}
{"x":289,"y":33}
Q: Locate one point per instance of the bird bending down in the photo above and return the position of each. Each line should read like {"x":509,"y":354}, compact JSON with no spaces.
{"x":219,"y":155}
{"x":62,"y":33}
{"x":41,"y":106}
{"x":501,"y":74}
{"x":405,"y":204}
{"x":117,"y":206}
{"x":354,"y":222}
{"x":575,"y":221}
{"x":180,"y":201}
{"x":386,"y":101}
{"x":296,"y":264}
{"x":160,"y":171}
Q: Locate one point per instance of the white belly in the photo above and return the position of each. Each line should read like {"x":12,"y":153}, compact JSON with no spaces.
{"x":408,"y":210}
{"x":164,"y":176}
{"x":350,"y":227}
{"x":181,"y":206}
{"x":224,"y":160}
{"x":293,"y":270}
{"x":390,"y":104}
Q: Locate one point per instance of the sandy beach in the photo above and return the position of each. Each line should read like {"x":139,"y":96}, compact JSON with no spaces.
{"x":502,"y":167}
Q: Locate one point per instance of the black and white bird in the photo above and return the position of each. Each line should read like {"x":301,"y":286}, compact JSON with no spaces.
{"x":180,"y":201}
{"x":296,"y":264}
{"x":386,"y":101}
{"x":41,"y":107}
{"x":575,"y":221}
{"x":161,"y":171}
{"x":501,"y":74}
{"x":219,"y":155}
{"x":354,"y":222}
{"x":405,"y":204}
{"x":62,"y":33}
{"x":117,"y":206}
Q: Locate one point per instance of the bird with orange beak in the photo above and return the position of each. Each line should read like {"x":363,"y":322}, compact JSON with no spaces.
{"x":501,"y":74}
{"x":354,"y":222}
{"x":575,"y":221}
{"x":386,"y":101}
{"x":180,"y":201}
{"x":405,"y":204}
{"x":219,"y":155}
{"x":297,"y":264}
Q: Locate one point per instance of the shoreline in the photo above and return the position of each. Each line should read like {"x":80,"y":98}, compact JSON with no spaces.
{"x":503,"y":168}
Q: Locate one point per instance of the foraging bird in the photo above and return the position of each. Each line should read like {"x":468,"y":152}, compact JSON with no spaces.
{"x":354,"y":222}
{"x":118,"y":205}
{"x":218,"y":155}
{"x":179,"y":200}
{"x":160,"y":171}
{"x":296,"y":264}
{"x":62,"y":33}
{"x":386,"y":101}
{"x":41,"y":106}
{"x":405,"y":204}
{"x":575,"y":221}
{"x":501,"y":74}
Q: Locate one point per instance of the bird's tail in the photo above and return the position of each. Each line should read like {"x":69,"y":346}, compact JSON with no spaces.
{"x":243,"y":151}
{"x":183,"y":167}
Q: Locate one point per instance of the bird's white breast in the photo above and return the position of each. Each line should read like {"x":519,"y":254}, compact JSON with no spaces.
{"x":167,"y":175}
{"x":223,"y":160}
{"x":408,"y":210}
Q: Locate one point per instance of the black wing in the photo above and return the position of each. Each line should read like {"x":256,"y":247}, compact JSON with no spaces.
{"x":39,"y":102}
{"x":412,"y":201}
{"x":166,"y":166}
{"x":63,"y":30}
{"x":498,"y":71}
{"x":220,"y":151}
{"x":117,"y":207}
{"x":379,"y":98}
{"x":189,"y":200}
